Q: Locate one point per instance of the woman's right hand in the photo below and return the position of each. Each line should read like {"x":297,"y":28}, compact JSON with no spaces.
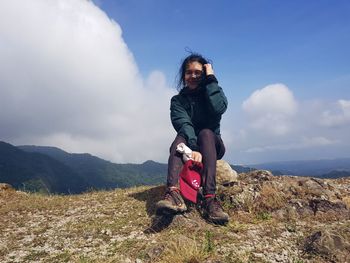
{"x":208,"y":69}
{"x":197,"y":156}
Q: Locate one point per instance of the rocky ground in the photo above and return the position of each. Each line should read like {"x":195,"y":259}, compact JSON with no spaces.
{"x":272,"y":219}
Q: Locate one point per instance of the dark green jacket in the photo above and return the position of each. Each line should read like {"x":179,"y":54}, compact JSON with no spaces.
{"x":194,"y":110}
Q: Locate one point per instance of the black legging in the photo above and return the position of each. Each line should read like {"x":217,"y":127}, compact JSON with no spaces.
{"x":211,"y":147}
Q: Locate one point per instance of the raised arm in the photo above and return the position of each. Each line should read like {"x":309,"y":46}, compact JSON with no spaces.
{"x":214,"y":93}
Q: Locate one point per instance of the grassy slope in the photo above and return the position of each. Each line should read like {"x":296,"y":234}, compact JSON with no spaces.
{"x":114,"y":226}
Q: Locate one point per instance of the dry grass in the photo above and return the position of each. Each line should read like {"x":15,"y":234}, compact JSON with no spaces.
{"x":269,"y":200}
{"x":180,"y":249}
{"x":110,"y":226}
{"x":346,"y":201}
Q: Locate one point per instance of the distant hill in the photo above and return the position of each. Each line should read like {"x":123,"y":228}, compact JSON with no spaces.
{"x":242,"y":169}
{"x":52,"y":170}
{"x":335,"y":174}
{"x":102,"y":174}
{"x":328,"y":168}
{"x":37,"y":172}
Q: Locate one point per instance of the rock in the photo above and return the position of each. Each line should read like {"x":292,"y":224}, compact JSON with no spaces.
{"x":6,"y":187}
{"x":155,"y":252}
{"x":346,"y":201}
{"x":261,"y":175}
{"x":319,"y":205}
{"x":315,"y":187}
{"x":300,"y":207}
{"x":328,"y":244}
{"x":225,"y":175}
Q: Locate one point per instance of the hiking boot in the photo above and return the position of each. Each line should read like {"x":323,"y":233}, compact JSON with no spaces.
{"x":213,"y":211}
{"x":172,"y":203}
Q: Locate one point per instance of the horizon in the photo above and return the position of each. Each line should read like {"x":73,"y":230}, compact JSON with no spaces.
{"x":97,"y":76}
{"x":142,"y":162}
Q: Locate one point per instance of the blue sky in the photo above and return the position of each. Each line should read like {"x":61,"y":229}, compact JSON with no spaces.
{"x":97,"y":76}
{"x":302,"y":44}
{"x":252,"y":43}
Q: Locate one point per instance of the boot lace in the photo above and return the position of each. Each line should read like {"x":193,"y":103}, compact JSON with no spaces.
{"x":215,"y":205}
{"x":173,"y":195}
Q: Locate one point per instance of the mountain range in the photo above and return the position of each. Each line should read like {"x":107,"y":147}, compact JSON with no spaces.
{"x":326,"y":168}
{"x":52,"y":170}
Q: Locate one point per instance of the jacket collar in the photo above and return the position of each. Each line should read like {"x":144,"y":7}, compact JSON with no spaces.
{"x":187,"y":91}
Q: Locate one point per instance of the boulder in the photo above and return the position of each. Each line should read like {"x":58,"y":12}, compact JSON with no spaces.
{"x":330,"y":245}
{"x":225,"y":175}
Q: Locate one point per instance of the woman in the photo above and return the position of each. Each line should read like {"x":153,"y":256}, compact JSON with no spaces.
{"x":195,"y":114}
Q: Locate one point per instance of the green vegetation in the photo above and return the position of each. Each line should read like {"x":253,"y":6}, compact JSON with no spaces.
{"x":263,"y":216}
{"x":51,"y":170}
{"x":208,"y":243}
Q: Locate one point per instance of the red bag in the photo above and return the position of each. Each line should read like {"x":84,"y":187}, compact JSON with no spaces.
{"x":190,"y":180}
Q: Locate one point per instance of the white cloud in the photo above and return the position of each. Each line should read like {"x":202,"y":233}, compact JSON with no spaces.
{"x":270,"y":99}
{"x":288,"y":129}
{"x":68,"y":79}
{"x":338,"y":116}
{"x":271,"y":109}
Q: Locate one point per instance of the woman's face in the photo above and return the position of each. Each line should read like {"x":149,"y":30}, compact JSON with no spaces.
{"x":193,"y":74}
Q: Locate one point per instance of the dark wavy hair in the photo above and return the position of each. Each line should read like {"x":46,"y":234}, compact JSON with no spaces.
{"x":193,"y":57}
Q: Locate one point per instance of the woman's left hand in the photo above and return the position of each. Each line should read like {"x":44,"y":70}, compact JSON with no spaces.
{"x":208,"y":69}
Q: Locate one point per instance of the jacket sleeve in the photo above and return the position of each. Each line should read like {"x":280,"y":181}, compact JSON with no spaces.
{"x":182,"y":123}
{"x":215,"y":96}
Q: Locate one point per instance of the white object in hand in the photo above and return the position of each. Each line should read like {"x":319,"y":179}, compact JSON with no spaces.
{"x":186,"y":152}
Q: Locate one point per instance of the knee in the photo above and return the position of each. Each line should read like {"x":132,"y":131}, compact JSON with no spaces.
{"x":205,"y":135}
